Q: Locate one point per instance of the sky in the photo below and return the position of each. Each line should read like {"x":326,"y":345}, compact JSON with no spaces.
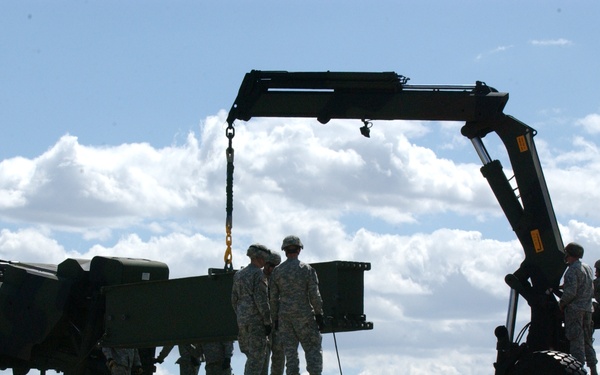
{"x":112,"y":115}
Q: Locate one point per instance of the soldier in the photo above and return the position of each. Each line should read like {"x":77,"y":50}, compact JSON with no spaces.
{"x":250,"y":303}
{"x":297,"y":304}
{"x":576,"y":303}
{"x":218,"y":357}
{"x":274,"y":346}
{"x":121,"y":361}
{"x":190,"y":358}
{"x":596,"y":313}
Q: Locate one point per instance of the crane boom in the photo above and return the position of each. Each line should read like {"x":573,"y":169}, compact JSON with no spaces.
{"x":374,"y":96}
{"x":387,"y":96}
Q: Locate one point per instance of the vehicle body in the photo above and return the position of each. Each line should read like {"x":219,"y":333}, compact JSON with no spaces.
{"x":56,"y":317}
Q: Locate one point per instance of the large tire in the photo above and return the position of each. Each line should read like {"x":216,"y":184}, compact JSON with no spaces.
{"x":548,"y":362}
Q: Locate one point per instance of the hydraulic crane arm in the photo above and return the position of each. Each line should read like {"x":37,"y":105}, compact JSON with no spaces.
{"x":387,"y":96}
{"x":373,"y":96}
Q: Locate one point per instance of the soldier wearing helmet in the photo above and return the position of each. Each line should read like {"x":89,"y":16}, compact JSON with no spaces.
{"x":297,"y":309}
{"x":576,"y":303}
{"x":251,"y":305}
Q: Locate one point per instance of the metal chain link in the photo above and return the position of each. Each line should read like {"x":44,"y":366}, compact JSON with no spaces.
{"x":228,"y":257}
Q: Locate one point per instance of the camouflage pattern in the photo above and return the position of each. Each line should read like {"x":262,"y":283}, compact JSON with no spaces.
{"x":218,"y":357}
{"x":579,"y":330}
{"x":273,"y":258}
{"x":291,"y":241}
{"x":250,"y":303}
{"x":249,"y":296}
{"x":295,"y":291}
{"x":576,"y":300}
{"x":295,"y":299}
{"x":578,"y":287}
{"x":275,"y":355}
{"x":259,"y":251}
{"x":125,"y":360}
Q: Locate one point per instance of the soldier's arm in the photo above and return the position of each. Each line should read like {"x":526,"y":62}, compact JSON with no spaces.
{"x":261,"y":298}
{"x":313,"y":293}
{"x":234,"y":295}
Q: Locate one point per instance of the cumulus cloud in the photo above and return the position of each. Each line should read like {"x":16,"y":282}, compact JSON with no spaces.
{"x":433,"y":282}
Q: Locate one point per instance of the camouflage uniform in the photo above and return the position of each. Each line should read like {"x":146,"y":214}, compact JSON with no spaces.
{"x":295,"y":300}
{"x":251,"y":306}
{"x":576,"y":300}
{"x":190,"y":358}
{"x":218,"y":357}
{"x":274,"y":346}
{"x":120,"y":361}
{"x":277,"y":357}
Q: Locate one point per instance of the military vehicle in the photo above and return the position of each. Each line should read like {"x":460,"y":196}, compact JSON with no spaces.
{"x":56,"y":317}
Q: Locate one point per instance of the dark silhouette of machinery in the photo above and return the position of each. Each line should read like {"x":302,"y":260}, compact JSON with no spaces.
{"x":55,"y":317}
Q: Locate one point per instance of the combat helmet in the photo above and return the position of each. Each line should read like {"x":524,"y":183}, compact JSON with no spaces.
{"x":597,"y":264}
{"x":575,"y":250}
{"x":291,"y":241}
{"x":273,"y":258}
{"x":258,"y":251}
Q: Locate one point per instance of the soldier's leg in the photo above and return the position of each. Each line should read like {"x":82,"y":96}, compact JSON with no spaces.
{"x":256,"y":349}
{"x":265,"y":368}
{"x":574,"y":333}
{"x":243,"y":337}
{"x":588,"y":331}
{"x":277,"y":354}
{"x":311,"y":342}
{"x":289,"y":341}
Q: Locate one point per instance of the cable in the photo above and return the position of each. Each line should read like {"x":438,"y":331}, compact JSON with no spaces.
{"x":337,"y":353}
{"x":522,"y":332}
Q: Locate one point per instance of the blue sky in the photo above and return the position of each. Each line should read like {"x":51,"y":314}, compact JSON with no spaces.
{"x":112,"y":116}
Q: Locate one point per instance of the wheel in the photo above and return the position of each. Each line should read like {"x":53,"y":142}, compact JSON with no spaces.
{"x":548,"y":362}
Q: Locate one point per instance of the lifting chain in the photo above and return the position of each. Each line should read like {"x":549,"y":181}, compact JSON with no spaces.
{"x":230,"y":133}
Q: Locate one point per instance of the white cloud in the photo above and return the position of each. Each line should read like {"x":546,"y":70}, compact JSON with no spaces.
{"x":432,"y":288}
{"x":499,"y":49}
{"x":30,"y":245}
{"x":591,"y":123}
{"x":551,"y":42}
